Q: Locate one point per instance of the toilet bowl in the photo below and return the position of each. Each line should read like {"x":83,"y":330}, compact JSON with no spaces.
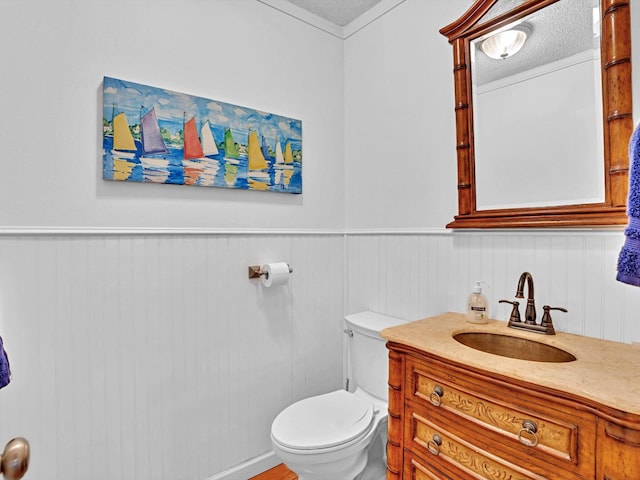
{"x":341,"y":435}
{"x":327,"y":437}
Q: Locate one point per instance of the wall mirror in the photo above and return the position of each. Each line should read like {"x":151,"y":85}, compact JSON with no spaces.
{"x":543,"y":112}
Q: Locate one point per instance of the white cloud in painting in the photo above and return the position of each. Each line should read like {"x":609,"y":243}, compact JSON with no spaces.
{"x":214,"y":107}
{"x":285,"y":128}
{"x":180,"y":104}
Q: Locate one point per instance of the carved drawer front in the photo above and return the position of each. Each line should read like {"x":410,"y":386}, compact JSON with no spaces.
{"x":417,"y":469}
{"x":521,"y":427}
{"x":443,"y":448}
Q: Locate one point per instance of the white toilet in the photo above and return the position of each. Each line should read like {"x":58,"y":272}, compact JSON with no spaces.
{"x":342,"y":435}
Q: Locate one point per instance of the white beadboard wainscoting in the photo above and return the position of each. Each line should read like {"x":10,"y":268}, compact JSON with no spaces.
{"x":417,"y":275}
{"x":153,"y":356}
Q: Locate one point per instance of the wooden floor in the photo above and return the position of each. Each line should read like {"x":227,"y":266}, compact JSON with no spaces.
{"x":276,"y":473}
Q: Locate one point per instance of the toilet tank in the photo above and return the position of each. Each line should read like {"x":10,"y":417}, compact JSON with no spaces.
{"x":368,"y":357}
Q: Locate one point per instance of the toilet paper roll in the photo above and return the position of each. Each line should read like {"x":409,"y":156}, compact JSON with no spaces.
{"x":274,"y":274}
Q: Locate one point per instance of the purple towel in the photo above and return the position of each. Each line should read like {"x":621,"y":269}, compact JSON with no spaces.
{"x":629,"y":259}
{"x":5,"y":372}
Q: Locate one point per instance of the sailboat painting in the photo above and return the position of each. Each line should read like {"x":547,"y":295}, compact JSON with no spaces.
{"x":160,"y":136}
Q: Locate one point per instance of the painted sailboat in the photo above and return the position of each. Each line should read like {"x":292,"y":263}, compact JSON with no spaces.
{"x":155,"y":168}
{"x":192,"y":153}
{"x":256,"y":157}
{"x":209,"y":165}
{"x":264,"y":148}
{"x":279,"y":155}
{"x":198,"y":168}
{"x":288,"y":154}
{"x":123,"y":144}
{"x":209,"y":147}
{"x":152,"y":141}
{"x":231,"y":159}
{"x":284,"y":160}
{"x":257,"y":177}
{"x":284,"y":164}
{"x":124,"y":147}
{"x":192,"y":145}
{"x":288,"y":163}
{"x":231,"y":154}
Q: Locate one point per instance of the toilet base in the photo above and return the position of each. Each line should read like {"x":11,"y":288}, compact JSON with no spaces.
{"x":367,"y":464}
{"x":376,"y":470}
{"x":363,"y":458}
{"x":347,"y":468}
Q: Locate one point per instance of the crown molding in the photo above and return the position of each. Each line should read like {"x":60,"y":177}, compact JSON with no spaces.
{"x":369,"y":16}
{"x":305,"y":16}
{"x":342,"y":33}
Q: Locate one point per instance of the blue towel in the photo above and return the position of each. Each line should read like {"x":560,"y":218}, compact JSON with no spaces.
{"x":5,"y":372}
{"x":629,"y":259}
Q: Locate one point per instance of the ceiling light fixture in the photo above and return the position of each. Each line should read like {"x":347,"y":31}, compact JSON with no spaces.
{"x":506,"y":43}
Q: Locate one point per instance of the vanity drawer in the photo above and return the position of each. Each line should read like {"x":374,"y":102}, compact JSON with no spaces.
{"x":449,"y":455}
{"x":508,"y":420}
{"x":417,"y":469}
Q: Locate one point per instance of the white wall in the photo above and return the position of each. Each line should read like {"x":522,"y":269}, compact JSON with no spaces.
{"x":399,"y":114}
{"x":238,"y":51}
{"x":400,"y":150}
{"x":139,"y":347}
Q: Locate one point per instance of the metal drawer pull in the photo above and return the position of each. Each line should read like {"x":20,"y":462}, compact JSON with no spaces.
{"x":433,"y":445}
{"x":530,"y":428}
{"x":436,"y":396}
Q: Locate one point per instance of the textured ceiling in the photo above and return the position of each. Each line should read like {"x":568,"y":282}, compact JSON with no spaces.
{"x":338,"y":12}
{"x":558,"y":31}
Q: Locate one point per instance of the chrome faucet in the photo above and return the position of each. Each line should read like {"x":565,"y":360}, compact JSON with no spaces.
{"x":546,"y":325}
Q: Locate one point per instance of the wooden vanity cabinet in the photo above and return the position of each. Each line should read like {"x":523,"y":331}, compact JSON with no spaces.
{"x":449,"y":421}
{"x":618,"y":451}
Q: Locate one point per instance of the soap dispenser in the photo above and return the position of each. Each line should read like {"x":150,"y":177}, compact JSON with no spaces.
{"x":477,"y":306}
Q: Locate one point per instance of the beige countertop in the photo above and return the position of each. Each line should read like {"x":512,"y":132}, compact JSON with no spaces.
{"x":604,"y":371}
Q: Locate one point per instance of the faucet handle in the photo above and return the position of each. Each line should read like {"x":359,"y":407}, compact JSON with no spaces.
{"x":546,"y":322}
{"x":515,"y":312}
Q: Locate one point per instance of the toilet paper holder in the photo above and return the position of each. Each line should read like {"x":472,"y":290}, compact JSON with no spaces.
{"x":255,"y":271}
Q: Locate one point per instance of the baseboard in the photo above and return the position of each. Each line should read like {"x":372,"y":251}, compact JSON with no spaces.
{"x":250,"y":468}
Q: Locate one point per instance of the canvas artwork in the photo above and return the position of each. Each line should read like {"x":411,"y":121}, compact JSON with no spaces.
{"x":156,"y":135}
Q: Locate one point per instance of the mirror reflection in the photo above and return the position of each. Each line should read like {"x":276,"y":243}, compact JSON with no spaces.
{"x":518,"y":155}
{"x":537,"y":109}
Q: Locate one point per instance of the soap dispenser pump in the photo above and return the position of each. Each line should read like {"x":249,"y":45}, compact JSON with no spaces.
{"x":477,"y":306}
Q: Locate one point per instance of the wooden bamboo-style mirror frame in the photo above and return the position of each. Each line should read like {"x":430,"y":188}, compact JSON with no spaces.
{"x":615,"y":50}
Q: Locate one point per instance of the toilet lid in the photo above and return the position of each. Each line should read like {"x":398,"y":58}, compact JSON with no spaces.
{"x":323,"y":421}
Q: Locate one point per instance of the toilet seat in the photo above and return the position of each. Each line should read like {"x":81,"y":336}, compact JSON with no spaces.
{"x":323,"y":421}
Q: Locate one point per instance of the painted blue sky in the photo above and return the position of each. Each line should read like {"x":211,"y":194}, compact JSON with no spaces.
{"x":128,"y":97}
